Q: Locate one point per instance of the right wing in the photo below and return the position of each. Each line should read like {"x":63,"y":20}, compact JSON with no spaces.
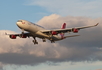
{"x":75,"y":30}
{"x":24,"y":35}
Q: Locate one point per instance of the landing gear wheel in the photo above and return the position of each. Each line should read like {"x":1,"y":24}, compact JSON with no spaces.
{"x":52,"y":41}
{"x":21,"y":35}
{"x":44,"y":40}
{"x":35,"y":42}
{"x":22,"y":32}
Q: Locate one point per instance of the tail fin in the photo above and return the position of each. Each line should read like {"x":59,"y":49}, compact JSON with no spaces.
{"x":63,"y":27}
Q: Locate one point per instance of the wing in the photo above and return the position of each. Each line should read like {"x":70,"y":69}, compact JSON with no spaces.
{"x":75,"y":30}
{"x":28,"y":34}
{"x":24,"y":35}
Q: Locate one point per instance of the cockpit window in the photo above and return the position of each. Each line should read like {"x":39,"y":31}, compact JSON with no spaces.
{"x":37,"y":25}
{"x":19,"y":21}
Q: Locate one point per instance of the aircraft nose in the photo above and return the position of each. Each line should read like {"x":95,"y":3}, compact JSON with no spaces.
{"x":18,"y":23}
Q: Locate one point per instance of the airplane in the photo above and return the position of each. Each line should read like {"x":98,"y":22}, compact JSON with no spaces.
{"x":35,"y":30}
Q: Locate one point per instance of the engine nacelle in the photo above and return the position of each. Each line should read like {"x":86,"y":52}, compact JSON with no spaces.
{"x":75,"y":30}
{"x":23,"y":36}
{"x":12,"y":36}
{"x":54,"y":33}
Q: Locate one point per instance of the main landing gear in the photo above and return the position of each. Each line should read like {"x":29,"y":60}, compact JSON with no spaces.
{"x":35,"y":41}
{"x":22,"y":31}
{"x":44,"y":40}
{"x":52,"y":41}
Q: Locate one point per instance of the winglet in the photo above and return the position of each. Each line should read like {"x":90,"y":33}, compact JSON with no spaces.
{"x":96,"y":24}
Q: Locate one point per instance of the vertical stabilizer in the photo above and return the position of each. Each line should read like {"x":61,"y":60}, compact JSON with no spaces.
{"x":63,"y":27}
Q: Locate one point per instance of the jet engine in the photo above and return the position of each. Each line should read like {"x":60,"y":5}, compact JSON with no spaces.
{"x":12,"y":36}
{"x":54,"y":33}
{"x":23,"y":36}
{"x":75,"y":30}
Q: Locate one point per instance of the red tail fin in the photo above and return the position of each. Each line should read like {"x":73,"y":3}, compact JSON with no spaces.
{"x":63,"y":27}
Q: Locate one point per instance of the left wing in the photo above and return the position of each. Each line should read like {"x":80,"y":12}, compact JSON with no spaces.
{"x":75,"y":30}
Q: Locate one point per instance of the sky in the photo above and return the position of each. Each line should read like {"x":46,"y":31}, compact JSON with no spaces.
{"x":78,"y":53}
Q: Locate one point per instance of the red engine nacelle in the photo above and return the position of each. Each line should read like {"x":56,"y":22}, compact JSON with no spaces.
{"x":23,"y":36}
{"x":54,"y":33}
{"x":12,"y":36}
{"x":75,"y":30}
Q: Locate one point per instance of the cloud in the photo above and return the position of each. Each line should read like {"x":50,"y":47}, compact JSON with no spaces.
{"x":71,"y":7}
{"x":99,"y":69}
{"x":87,"y":47}
{"x":20,"y":51}
{"x":87,"y":35}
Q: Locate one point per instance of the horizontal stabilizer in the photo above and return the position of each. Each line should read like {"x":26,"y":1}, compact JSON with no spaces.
{"x":71,"y":36}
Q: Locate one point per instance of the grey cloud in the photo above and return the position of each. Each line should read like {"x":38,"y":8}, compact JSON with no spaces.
{"x":98,"y":69}
{"x":87,"y":47}
{"x":88,"y":37}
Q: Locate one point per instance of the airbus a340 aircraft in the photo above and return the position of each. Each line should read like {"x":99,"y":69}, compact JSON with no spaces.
{"x":35,"y":30}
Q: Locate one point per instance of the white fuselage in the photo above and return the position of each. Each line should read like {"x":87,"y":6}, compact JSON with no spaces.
{"x":35,"y":30}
